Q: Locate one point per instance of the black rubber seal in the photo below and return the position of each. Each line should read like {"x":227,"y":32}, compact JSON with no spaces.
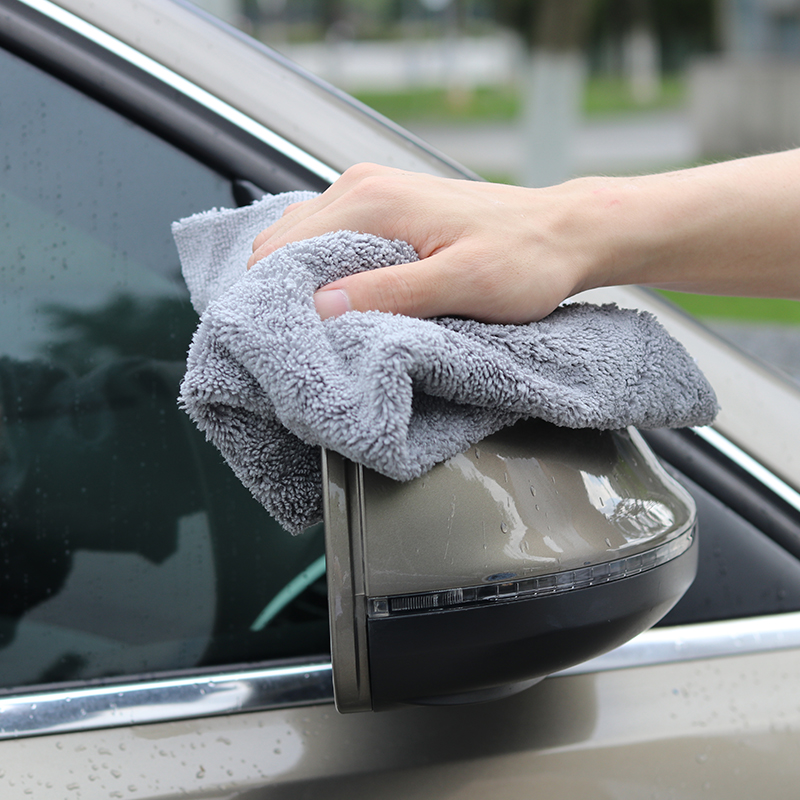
{"x":419,"y":657}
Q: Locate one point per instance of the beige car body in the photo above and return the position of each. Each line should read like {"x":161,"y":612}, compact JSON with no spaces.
{"x":707,"y":710}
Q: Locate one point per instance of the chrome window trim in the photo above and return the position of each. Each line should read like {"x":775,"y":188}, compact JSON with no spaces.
{"x":162,"y":700}
{"x":184,"y":86}
{"x":750,"y":465}
{"x":699,"y":641}
{"x":192,"y":697}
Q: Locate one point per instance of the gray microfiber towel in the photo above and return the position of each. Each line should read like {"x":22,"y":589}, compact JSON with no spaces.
{"x":269,"y":382}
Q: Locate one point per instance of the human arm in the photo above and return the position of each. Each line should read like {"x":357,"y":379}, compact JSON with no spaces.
{"x":510,"y":254}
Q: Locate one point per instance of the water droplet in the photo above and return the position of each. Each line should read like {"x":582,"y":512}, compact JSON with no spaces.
{"x":477,"y":453}
{"x":537,"y":506}
{"x":608,"y":542}
{"x":504,"y":527}
{"x":116,"y":773}
{"x":533,"y":492}
{"x":277,"y":751}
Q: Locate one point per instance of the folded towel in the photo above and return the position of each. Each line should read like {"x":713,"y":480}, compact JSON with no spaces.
{"x":269,"y":382}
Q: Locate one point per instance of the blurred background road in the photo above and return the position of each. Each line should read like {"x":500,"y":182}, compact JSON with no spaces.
{"x":537,"y":91}
{"x":621,"y":144}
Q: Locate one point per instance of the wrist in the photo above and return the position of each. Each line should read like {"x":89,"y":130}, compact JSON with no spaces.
{"x":647,"y":230}
{"x":601,"y":220}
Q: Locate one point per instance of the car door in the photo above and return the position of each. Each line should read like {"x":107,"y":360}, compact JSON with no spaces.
{"x":135,"y":567}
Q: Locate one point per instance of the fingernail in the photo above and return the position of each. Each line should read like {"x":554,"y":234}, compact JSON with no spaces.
{"x":331,"y":303}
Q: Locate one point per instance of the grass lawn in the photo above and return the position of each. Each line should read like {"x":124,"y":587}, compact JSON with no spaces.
{"x":741,"y":309}
{"x":603,"y":96}
{"x":483,"y":104}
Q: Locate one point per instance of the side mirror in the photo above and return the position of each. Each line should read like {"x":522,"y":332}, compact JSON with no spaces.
{"x":536,"y":550}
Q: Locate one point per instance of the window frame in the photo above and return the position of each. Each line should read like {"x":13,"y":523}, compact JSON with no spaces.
{"x":157,"y":98}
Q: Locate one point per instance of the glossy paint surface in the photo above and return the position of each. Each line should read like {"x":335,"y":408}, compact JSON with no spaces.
{"x":718,"y":728}
{"x":530,"y":500}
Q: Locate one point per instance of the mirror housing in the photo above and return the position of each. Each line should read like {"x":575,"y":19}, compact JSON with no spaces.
{"x":537,"y":549}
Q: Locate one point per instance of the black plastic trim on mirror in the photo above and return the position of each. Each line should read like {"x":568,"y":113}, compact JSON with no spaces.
{"x":430,"y":656}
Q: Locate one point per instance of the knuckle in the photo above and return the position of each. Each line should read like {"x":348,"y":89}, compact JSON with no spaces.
{"x":368,"y":180}
{"x":359,"y":172}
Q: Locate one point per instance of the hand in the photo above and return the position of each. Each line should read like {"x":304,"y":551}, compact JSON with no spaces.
{"x":501,"y":253}
{"x":491,"y":252}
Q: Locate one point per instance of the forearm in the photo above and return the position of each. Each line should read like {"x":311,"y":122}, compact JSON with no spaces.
{"x":728,"y":228}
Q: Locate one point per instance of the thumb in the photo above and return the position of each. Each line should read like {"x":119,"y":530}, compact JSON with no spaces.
{"x":415,"y":290}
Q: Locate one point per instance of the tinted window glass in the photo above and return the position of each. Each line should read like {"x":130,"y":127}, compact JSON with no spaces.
{"x":126,"y":545}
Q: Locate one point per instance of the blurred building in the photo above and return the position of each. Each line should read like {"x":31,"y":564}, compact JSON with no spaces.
{"x":747,"y":98}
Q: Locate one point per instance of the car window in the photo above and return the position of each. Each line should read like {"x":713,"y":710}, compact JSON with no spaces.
{"x":749,"y":538}
{"x":126,"y":544}
{"x":767,"y":329}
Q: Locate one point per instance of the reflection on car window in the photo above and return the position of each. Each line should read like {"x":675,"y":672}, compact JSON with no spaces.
{"x":126,"y":545}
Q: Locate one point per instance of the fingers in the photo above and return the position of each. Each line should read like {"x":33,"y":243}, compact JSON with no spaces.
{"x":277,"y":235}
{"x":410,"y":289}
{"x":357,"y":201}
{"x":449,"y":283}
{"x":268,"y":232}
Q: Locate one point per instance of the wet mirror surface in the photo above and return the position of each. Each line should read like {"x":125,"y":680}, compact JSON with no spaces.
{"x":531,"y":500}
